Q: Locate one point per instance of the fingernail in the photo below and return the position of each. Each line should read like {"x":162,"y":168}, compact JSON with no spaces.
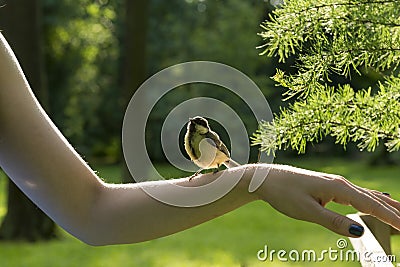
{"x":356,"y":230}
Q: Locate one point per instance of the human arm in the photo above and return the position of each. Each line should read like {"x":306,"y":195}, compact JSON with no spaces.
{"x":298,"y":193}
{"x":45,"y":166}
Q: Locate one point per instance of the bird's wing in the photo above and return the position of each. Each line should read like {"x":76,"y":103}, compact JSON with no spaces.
{"x":217,"y":142}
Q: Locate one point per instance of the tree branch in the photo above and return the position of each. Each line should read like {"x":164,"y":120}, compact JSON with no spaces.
{"x":346,"y":4}
{"x":387,"y":135}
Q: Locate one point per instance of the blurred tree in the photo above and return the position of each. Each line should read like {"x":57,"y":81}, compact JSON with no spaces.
{"x":134,"y":54}
{"x":20,"y":22}
{"x":343,"y":38}
{"x":82,"y":50}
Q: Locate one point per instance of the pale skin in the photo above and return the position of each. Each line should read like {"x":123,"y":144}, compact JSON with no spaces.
{"x":45,"y":166}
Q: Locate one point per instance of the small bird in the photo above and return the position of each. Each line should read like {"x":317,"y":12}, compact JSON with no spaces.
{"x":204,"y":146}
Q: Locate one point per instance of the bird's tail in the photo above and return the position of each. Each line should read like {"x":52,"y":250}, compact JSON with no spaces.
{"x":231,"y":163}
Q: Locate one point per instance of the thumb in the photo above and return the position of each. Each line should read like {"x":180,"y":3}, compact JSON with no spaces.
{"x":338,"y":223}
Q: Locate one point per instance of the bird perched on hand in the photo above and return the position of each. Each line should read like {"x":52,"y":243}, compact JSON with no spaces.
{"x":204,"y":146}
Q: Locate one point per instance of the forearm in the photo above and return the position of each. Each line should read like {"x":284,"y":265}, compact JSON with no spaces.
{"x":126,"y":213}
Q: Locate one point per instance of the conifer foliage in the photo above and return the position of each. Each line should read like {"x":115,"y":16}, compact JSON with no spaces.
{"x":335,"y":38}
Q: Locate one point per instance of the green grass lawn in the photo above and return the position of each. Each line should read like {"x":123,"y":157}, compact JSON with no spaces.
{"x":231,"y":240}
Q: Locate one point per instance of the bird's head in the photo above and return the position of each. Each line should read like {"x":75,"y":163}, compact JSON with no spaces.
{"x":200,"y":124}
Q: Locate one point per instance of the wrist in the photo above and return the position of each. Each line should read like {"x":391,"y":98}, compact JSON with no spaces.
{"x":233,"y":183}
{"x":253,"y":177}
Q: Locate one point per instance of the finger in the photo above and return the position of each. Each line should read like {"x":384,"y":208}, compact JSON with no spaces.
{"x":379,"y":197}
{"x":335,"y":222}
{"x":369,"y":203}
{"x":384,"y":199}
{"x":388,"y":199}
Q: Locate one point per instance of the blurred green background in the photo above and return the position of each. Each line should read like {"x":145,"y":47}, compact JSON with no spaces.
{"x":84,"y":60}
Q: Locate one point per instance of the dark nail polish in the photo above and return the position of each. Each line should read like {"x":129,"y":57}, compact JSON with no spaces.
{"x":356,"y":230}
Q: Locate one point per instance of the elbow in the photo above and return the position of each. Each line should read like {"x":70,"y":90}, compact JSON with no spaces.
{"x":97,"y":226}
{"x":89,"y":236}
{"x":89,"y":223}
{"x":104,"y":222}
{"x":92,"y":236}
{"x":93,"y":241}
{"x":97,"y":237}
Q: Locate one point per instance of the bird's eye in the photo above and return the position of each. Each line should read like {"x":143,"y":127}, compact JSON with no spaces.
{"x":203,"y":123}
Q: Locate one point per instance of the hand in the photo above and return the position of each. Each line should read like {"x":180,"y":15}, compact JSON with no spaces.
{"x":303,"y":194}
